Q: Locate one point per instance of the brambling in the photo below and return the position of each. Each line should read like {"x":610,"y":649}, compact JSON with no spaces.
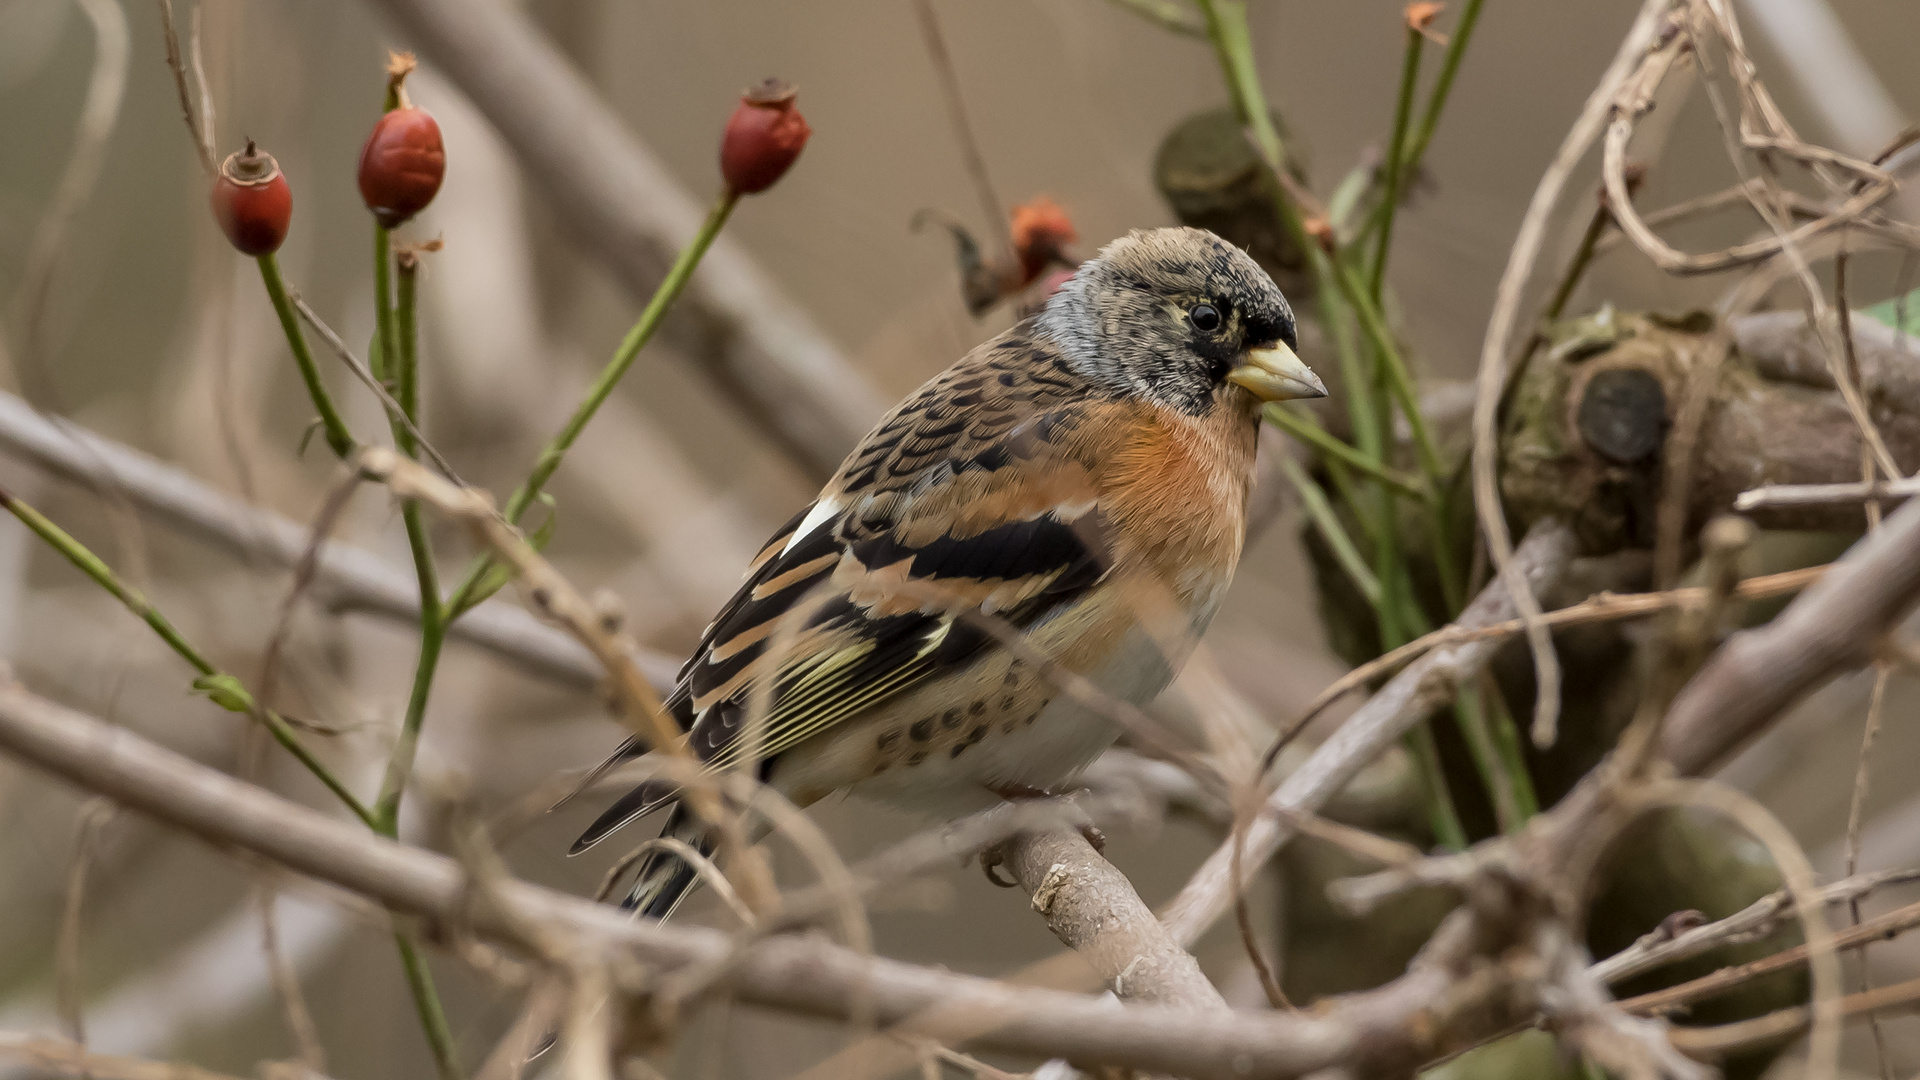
{"x":1087,"y":466}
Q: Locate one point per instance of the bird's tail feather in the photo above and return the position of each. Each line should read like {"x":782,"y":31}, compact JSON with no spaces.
{"x":665,"y":878}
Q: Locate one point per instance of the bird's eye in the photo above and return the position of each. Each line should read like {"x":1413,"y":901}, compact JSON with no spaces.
{"x":1205,"y":318}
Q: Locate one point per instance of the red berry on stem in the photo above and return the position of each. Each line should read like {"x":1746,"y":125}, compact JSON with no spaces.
{"x":402,"y":165}
{"x":764,"y":135}
{"x":252,"y":202}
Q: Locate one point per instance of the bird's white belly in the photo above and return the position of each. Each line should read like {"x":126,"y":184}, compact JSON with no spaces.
{"x":1064,"y":739}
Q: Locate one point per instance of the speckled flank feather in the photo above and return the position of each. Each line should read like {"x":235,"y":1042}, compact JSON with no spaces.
{"x":1051,"y":479}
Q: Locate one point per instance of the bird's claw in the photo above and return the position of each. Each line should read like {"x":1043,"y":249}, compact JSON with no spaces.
{"x":990,"y":862}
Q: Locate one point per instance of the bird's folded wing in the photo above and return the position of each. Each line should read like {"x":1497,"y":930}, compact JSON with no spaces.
{"x":976,"y":496}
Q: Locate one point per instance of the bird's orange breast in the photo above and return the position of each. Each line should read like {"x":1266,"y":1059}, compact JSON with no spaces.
{"x":1175,"y":487}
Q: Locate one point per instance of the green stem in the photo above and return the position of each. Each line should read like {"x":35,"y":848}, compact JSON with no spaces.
{"x":1355,"y":386}
{"x":1324,"y":519}
{"x":407,"y":371}
{"x":1399,"y":381}
{"x":432,"y":621}
{"x":1506,"y":743}
{"x":1582,"y":256}
{"x":386,"y":808}
{"x":1396,"y":150}
{"x":555,"y":451}
{"x":235,"y":698}
{"x":1302,"y":426}
{"x":399,"y":350}
{"x":1472,"y":721}
{"x":426,"y":1001}
{"x":1443,"y":86}
{"x":1442,"y":814}
{"x":383,"y":359}
{"x":338,"y":437}
{"x":1227,"y":25}
{"x":1436,"y":104}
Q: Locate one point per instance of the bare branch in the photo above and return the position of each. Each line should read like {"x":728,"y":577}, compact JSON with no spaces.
{"x":1408,"y":698}
{"x":1832,"y":627}
{"x":1093,"y":909}
{"x":345,"y":576}
{"x":1493,"y":355}
{"x":799,"y":974}
{"x":1750,"y":923}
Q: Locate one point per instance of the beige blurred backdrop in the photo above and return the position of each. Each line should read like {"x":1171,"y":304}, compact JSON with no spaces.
{"x":157,"y":334}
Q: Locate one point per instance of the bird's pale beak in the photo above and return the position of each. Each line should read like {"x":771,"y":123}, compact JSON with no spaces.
{"x":1276,"y":374}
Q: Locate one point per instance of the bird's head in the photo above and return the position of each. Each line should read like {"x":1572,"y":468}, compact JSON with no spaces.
{"x":1182,"y":318}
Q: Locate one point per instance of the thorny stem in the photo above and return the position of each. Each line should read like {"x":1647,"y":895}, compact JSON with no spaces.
{"x":1396,"y":153}
{"x":338,"y":437}
{"x":91,"y":565}
{"x":398,"y":363}
{"x":407,"y":371}
{"x":468,"y":594}
{"x":433,"y":630}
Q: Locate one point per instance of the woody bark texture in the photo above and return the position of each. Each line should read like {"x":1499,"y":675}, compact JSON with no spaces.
{"x":1588,"y":429}
{"x":1093,"y":909}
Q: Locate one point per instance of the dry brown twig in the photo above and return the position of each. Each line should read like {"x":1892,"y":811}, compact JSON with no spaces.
{"x":1751,"y":923}
{"x":197,"y":114}
{"x":72,"y":1059}
{"x":1501,"y":326}
{"x":345,"y":577}
{"x":1879,"y":928}
{"x":67,"y":951}
{"x":1603,"y":607}
{"x":365,"y":377}
{"x":99,"y":114}
{"x":555,"y":598}
{"x":1408,"y":698}
{"x":795,"y":973}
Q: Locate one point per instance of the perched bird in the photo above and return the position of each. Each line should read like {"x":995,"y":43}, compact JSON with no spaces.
{"x":1082,"y":477}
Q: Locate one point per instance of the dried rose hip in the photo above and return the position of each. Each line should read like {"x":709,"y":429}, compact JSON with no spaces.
{"x":252,"y":202}
{"x":402,"y":165}
{"x":764,"y":135}
{"x":1041,"y":232}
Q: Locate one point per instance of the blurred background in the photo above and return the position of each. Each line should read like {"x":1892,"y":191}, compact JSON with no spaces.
{"x":156,"y":333}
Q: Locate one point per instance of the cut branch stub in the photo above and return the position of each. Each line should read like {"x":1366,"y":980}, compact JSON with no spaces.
{"x":1591,"y":422}
{"x":1211,"y":177}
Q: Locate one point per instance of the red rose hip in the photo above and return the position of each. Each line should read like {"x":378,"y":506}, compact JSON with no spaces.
{"x":402,"y":165}
{"x":764,"y":136}
{"x":252,"y":202}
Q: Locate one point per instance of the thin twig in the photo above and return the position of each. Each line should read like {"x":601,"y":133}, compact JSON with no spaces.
{"x":1605,"y":607}
{"x":199,"y":130}
{"x":1494,"y":351}
{"x":1880,"y":928}
{"x":976,"y":162}
{"x":791,"y":972}
{"x":1407,"y":699}
{"x":67,"y":992}
{"x":1750,"y":923}
{"x":99,"y":114}
{"x":395,"y":413}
